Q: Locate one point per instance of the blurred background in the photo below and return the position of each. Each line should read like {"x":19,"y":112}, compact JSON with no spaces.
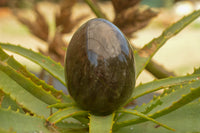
{"x":46,"y":26}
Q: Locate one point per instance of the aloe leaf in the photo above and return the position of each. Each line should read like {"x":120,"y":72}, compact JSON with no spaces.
{"x":81,"y":119}
{"x":61,"y":105}
{"x":21,"y":69}
{"x":101,"y":124}
{"x":27,"y":84}
{"x":177,"y":98}
{"x":71,"y":127}
{"x":54,"y":68}
{"x":22,"y":96}
{"x":141,"y":115}
{"x":192,"y":94}
{"x":6,"y":131}
{"x":66,"y":113}
{"x":21,"y":123}
{"x":95,"y":9}
{"x":196,"y":71}
{"x":8,"y":102}
{"x":161,"y":84}
{"x":144,"y":55}
{"x":183,"y":120}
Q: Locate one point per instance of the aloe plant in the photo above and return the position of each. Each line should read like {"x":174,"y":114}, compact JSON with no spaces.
{"x":28,"y":104}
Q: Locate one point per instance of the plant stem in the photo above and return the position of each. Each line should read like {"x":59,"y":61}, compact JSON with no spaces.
{"x":158,"y":71}
{"x":95,"y":9}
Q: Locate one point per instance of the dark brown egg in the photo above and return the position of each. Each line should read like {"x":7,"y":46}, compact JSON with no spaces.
{"x":99,"y":67}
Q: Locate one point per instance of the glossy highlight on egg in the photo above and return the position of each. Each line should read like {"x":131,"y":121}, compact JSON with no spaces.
{"x":99,"y":67}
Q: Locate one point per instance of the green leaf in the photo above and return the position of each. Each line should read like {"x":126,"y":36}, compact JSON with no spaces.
{"x":27,"y":84}
{"x":161,"y":84}
{"x":179,"y":96}
{"x":61,"y":105}
{"x":6,"y":131}
{"x":21,"y":69}
{"x":141,"y":115}
{"x":54,"y":68}
{"x":81,"y":119}
{"x":66,"y":113}
{"x":95,"y":9}
{"x":21,"y":123}
{"x":71,"y":127}
{"x":22,"y":96}
{"x":144,"y":55}
{"x":101,"y":124}
{"x":175,"y":99}
{"x":183,"y":120}
{"x":8,"y":102}
{"x":196,"y":71}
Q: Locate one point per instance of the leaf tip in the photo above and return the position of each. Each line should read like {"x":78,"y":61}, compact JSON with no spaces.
{"x":9,"y":107}
{"x":17,"y":110}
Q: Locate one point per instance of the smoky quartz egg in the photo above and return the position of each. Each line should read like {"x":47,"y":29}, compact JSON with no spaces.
{"x":99,"y":67}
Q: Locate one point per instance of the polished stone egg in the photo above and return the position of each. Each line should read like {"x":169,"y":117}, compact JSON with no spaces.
{"x":99,"y":67}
